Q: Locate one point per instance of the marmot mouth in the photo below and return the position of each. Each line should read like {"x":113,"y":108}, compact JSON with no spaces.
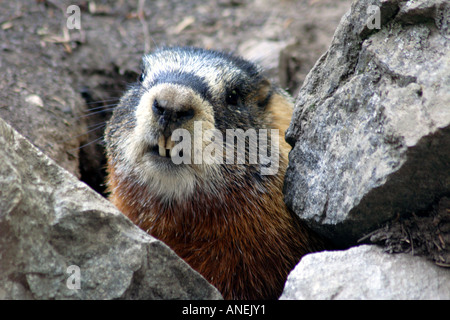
{"x":163,"y":148}
{"x":155,"y":151}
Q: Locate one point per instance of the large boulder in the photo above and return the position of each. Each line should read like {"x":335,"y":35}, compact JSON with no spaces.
{"x":366,"y":272}
{"x":61,"y":240}
{"x":371,"y":127}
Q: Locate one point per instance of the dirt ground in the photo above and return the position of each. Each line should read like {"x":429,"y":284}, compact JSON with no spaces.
{"x":286,"y":37}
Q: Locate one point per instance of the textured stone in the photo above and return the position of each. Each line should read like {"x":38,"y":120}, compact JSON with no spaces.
{"x":49,"y":221}
{"x":366,"y":272}
{"x":371,"y":126}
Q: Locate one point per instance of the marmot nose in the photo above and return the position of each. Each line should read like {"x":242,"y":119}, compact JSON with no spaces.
{"x":167,"y":113}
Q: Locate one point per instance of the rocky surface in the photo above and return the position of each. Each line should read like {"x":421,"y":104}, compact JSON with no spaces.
{"x":371,"y":127}
{"x":366,"y":272}
{"x":50,"y":221}
{"x":371,"y":137}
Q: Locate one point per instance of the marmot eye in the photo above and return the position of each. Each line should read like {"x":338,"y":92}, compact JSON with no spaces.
{"x":232,"y":98}
{"x":141,"y":77}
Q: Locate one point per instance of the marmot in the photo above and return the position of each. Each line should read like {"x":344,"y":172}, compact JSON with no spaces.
{"x":227,"y":219}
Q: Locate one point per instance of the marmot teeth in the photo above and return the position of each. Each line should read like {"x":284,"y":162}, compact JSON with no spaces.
{"x":165,"y":146}
{"x":162,"y":146}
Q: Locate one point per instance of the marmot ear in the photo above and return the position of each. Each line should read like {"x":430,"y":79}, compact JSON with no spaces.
{"x":263,"y":93}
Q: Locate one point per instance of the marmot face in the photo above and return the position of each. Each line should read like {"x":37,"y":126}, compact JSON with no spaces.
{"x":200,"y":91}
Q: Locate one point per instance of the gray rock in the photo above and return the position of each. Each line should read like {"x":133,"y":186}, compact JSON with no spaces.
{"x":371,"y":126}
{"x":50,"y":221}
{"x":366,"y":272}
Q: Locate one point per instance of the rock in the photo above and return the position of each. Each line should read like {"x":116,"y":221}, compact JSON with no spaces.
{"x":371,"y":126}
{"x":57,"y":233}
{"x":366,"y":272}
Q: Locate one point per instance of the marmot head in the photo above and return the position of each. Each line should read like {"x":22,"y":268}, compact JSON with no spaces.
{"x":191,"y":97}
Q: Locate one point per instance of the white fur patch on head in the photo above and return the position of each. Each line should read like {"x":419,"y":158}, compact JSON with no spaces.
{"x":216,"y":71}
{"x":162,"y":178}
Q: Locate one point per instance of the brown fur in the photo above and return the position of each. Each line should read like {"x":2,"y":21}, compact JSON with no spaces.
{"x":243,"y":241}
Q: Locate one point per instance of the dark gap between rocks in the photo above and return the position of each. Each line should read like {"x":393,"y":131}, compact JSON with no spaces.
{"x":101,"y":91}
{"x":425,"y":233}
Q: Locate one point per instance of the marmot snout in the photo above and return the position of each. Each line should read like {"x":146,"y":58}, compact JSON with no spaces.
{"x":195,"y":160}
